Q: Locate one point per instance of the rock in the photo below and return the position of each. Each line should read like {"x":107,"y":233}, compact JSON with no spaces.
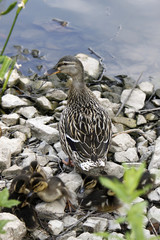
{"x":72,"y":180}
{"x":15,"y":229}
{"x":91,"y":65}
{"x":155,"y":163}
{"x":130,"y":155}
{"x":146,"y":87}
{"x":156,"y":102}
{"x":12,"y":171}
{"x":14,"y":145}
{"x":122,"y":142}
{"x":151,"y":117}
{"x":129,"y":122}
{"x":41,"y":234}
{"x":21,"y":128}
{"x":12,"y":101}
{"x":10,"y":119}
{"x":68,"y":236}
{"x":115,"y":236}
{"x":113,"y":225}
{"x":20,"y":135}
{"x":154,"y":195}
{"x":62,"y":155}
{"x":136,"y":100}
{"x":109,"y":106}
{"x":2,"y":184}
{"x":5,"y":157}
{"x":113,"y":97}
{"x":95,"y":224}
{"x":14,"y":78}
{"x":56,"y":226}
{"x":97,"y":93}
{"x":69,"y":220}
{"x":114,"y":169}
{"x":58,"y":146}
{"x":49,"y":210}
{"x":129,"y":112}
{"x":44,"y":103}
{"x":88,"y":236}
{"x":153,"y":214}
{"x":56,"y":94}
{"x":158,"y":93}
{"x":141,"y":120}
{"x":156,"y":172}
{"x":28,"y":156}
{"x":42,"y":131}
{"x":28,"y":112}
{"x":151,"y":134}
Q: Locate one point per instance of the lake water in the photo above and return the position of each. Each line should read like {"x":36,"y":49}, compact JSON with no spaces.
{"x":125,"y":34}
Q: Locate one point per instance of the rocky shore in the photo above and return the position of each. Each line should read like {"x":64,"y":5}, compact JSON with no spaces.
{"x":29,"y":131}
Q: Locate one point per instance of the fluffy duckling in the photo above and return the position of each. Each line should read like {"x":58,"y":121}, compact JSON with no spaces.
{"x":34,"y":167}
{"x":19,"y":190}
{"x":85,"y":127}
{"x":48,"y":191}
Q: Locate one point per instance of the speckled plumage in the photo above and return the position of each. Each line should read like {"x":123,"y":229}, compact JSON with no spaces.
{"x":85,"y":127}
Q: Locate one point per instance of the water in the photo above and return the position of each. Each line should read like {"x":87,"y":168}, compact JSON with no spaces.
{"x":125,"y":34}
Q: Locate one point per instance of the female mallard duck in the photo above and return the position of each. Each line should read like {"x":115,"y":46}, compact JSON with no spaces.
{"x":19,"y":190}
{"x":85,"y":127}
{"x":48,"y":191}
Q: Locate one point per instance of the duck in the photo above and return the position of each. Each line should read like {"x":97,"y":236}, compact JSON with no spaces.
{"x":20,"y":190}
{"x":34,"y":167}
{"x":48,"y":190}
{"x":84,"y":126}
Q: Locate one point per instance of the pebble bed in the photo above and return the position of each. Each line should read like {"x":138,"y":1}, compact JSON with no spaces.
{"x":29,"y":131}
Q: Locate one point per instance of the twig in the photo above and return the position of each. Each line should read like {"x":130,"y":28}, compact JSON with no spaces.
{"x":149,"y":110}
{"x":122,"y":105}
{"x":134,"y":130}
{"x":154,"y":230}
{"x":75,"y":224}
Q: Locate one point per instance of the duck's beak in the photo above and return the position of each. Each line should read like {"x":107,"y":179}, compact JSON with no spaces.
{"x":52,"y":71}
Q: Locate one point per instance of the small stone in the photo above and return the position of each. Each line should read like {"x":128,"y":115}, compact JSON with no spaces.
{"x":5,"y":157}
{"x":113,"y":97}
{"x":28,"y":112}
{"x":68,"y":236}
{"x":113,"y":225}
{"x":2,"y":184}
{"x":62,"y":155}
{"x":14,"y":145}
{"x":15,"y":229}
{"x":12,"y":171}
{"x":97,"y":94}
{"x":129,"y":122}
{"x":141,"y":120}
{"x":122,"y":142}
{"x":130,"y":155}
{"x":72,"y":180}
{"x":42,"y":234}
{"x":35,"y":53}
{"x":115,"y":236}
{"x":129,"y":112}
{"x":146,"y":87}
{"x":151,"y":134}
{"x":95,"y":224}
{"x":42,"y":131}
{"x":156,"y":102}
{"x":114,"y":169}
{"x":14,"y":78}
{"x":58,"y":147}
{"x":109,"y":106}
{"x":153,"y":214}
{"x":154,"y":195}
{"x":20,"y":135}
{"x":56,"y":226}
{"x":155,"y":163}
{"x":151,"y":117}
{"x":12,"y":101}
{"x":158,"y":93}
{"x":10,"y":119}
{"x":88,"y":236}
{"x":44,"y":103}
{"x":69,"y":220}
{"x":156,"y":172}
{"x":136,"y":100}
{"x":57,"y":95}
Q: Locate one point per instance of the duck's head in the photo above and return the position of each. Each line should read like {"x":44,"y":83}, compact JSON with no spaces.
{"x":34,"y":167}
{"x":20,"y":184}
{"x":38,"y":183}
{"x":68,"y":65}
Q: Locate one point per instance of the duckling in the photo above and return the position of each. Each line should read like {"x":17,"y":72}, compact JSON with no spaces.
{"x":33,"y":168}
{"x":84,"y":127}
{"x":48,"y":191}
{"x":19,"y":190}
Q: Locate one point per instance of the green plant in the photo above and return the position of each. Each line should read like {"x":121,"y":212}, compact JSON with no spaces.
{"x":127,"y":192}
{"x":4,"y":202}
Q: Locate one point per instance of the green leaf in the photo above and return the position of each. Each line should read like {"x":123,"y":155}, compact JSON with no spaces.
{"x":4,"y":202}
{"x":6,"y":62}
{"x":9,"y":9}
{"x":2,"y":224}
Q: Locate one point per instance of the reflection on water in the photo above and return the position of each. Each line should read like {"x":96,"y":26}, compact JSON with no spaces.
{"x":125,"y":33}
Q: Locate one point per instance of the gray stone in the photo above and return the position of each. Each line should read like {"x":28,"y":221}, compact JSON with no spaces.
{"x":129,"y":112}
{"x":88,"y":236}
{"x":114,"y":169}
{"x":49,"y":210}
{"x":62,"y":155}
{"x":141,"y":120}
{"x":72,"y":180}
{"x":130,"y":155}
{"x":15,"y":145}
{"x":109,"y":106}
{"x":129,"y":122}
{"x":28,"y":112}
{"x":69,"y":220}
{"x":12,"y":171}
{"x":15,"y":229}
{"x":153,"y":214}
{"x":42,"y":131}
{"x":146,"y":87}
{"x":20,"y":135}
{"x":41,"y":234}
{"x":58,"y":146}
{"x":5,"y":157}
{"x":44,"y":103}
{"x":122,"y":142}
{"x":2,"y":184}
{"x":14,"y":78}
{"x":56,"y":226}
{"x":136,"y":99}
{"x":116,"y":236}
{"x":155,"y":163}
{"x":28,"y":156}
{"x":113,"y":225}
{"x":156,"y":102}
{"x":57,"y":95}
{"x":12,"y":101}
{"x":97,"y":94}
{"x":151,"y":117}
{"x":158,"y":93}
{"x":21,"y":128}
{"x":95,"y":224}
{"x":10,"y":119}
{"x":154,"y":195}
{"x":68,"y":236}
{"x":156,"y":172}
{"x":151,"y":134}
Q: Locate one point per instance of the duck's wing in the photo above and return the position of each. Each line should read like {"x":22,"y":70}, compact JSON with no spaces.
{"x":88,"y":133}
